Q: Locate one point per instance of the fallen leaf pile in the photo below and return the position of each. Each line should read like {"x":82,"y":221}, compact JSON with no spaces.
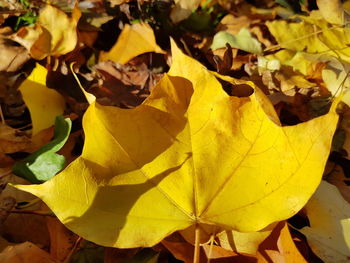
{"x":175,"y":131}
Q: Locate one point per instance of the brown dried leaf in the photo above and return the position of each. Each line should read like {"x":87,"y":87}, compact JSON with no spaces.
{"x":61,"y":239}
{"x":121,"y":86}
{"x":12,"y":56}
{"x":23,"y":227}
{"x":12,"y":140}
{"x":6,"y":204}
{"x":180,"y":248}
{"x":25,"y":253}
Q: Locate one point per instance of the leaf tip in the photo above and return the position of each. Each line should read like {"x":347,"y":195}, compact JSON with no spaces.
{"x":34,"y":189}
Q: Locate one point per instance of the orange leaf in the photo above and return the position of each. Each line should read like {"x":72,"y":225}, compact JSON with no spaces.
{"x":282,"y":251}
{"x":134,"y":40}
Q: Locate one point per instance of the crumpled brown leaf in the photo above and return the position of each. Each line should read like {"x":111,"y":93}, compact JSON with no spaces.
{"x":12,"y":56}
{"x":23,"y":227}
{"x":6,"y":204}
{"x":12,"y":140}
{"x":61,"y":239}
{"x":123,"y":85}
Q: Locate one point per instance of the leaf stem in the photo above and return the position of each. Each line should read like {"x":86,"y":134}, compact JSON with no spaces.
{"x":48,"y":60}
{"x":196,"y":245}
{"x":55,"y":64}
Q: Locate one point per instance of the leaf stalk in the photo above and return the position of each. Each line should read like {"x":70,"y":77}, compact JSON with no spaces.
{"x":196,"y":245}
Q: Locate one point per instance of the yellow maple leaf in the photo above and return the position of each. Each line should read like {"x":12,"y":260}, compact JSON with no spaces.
{"x":189,"y":155}
{"x":134,"y":40}
{"x":54,"y":33}
{"x":44,"y":104}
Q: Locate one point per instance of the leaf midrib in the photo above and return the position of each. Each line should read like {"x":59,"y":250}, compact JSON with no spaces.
{"x":149,"y":179}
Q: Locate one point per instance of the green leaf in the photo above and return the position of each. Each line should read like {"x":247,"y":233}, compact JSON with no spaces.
{"x":43,"y":164}
{"x":27,"y":19}
{"x":243,"y":40}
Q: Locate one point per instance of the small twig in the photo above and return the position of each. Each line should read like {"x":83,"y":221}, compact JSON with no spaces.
{"x":73,"y":250}
{"x":33,"y":212}
{"x":27,"y":126}
{"x":341,"y":85}
{"x":55,"y":64}
{"x":9,"y":12}
{"x":188,"y":51}
{"x":48,"y":60}
{"x":2,"y":116}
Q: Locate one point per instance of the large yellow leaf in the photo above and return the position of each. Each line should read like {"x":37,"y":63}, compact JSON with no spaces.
{"x":54,"y":33}
{"x":44,"y":104}
{"x":190,"y":154}
{"x":134,"y":40}
{"x":329,"y":231}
